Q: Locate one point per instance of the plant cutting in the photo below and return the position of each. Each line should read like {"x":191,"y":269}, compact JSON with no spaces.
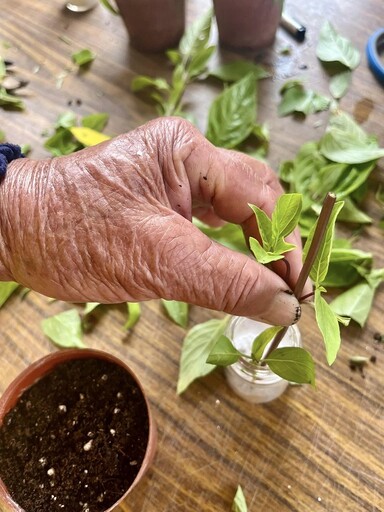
{"x":289,"y":362}
{"x":76,"y":433}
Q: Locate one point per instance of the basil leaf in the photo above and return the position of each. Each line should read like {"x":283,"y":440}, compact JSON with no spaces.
{"x":196,"y":36}
{"x":232,"y":115}
{"x":197,"y":346}
{"x":285,"y":216}
{"x":334,"y":48}
{"x":3,"y":70}
{"x":64,"y":329}
{"x":293,"y":364}
{"x":236,"y":70}
{"x":355,"y":303}
{"x":6,"y":290}
{"x":66,"y":120}
{"x":329,"y":327}
{"x":320,"y":266}
{"x":110,"y":7}
{"x":223,"y":353}
{"x":62,"y":143}
{"x":347,"y":143}
{"x":295,"y":98}
{"x":177,"y":311}
{"x":134,"y":312}
{"x":264,"y":225}
{"x":88,"y":137}
{"x":230,"y":235}
{"x":83,"y":57}
{"x":10,"y":101}
{"x":351,"y":213}
{"x":89,"y":307}
{"x":261,"y":255}
{"x":339,"y":83}
{"x":140,"y":82}
{"x":239,"y":504}
{"x":262,"y":340}
{"x":96,"y":121}
{"x":199,"y":61}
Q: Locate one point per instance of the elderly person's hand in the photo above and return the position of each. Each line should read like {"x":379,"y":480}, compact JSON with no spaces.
{"x":112,"y":223}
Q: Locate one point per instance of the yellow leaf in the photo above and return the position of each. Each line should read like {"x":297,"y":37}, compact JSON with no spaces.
{"x":87,"y":136}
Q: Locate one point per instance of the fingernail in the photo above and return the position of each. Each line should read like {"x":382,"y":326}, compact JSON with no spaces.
{"x":284,"y":310}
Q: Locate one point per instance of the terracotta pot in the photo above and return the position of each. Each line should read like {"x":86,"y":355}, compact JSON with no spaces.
{"x":247,"y":24}
{"x":153,"y":25}
{"x":41,"y":368}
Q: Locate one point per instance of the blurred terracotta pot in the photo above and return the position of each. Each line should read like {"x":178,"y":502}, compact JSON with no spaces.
{"x":43,"y":367}
{"x":153,"y":25}
{"x":247,"y":24}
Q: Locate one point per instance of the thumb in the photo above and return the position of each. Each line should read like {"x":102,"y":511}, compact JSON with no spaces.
{"x":199,"y":271}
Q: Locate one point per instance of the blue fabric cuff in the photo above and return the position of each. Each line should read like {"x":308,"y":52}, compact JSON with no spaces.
{"x":8,"y":152}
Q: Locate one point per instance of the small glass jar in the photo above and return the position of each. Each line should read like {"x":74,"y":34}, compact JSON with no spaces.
{"x":255,"y":383}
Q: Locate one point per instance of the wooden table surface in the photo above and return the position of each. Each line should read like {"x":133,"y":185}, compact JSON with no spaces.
{"x":309,"y":450}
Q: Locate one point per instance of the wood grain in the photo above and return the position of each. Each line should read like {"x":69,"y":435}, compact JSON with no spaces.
{"x":308,"y":451}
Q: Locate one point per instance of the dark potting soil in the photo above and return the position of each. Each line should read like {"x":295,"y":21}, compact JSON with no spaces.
{"x":75,"y":440}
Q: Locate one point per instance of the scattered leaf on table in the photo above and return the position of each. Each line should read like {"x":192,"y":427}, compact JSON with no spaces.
{"x":97,"y":121}
{"x":134,"y":312}
{"x":296,"y":98}
{"x":196,"y":348}
{"x":339,"y":83}
{"x":87,"y":136}
{"x":355,"y":303}
{"x":89,"y":307}
{"x":332,"y":47}
{"x":239,"y":503}
{"x":6,"y":290}
{"x":177,"y":311}
{"x":64,"y":329}
{"x":83,"y":57}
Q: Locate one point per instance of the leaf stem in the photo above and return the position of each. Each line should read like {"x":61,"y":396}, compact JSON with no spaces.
{"x":314,"y":248}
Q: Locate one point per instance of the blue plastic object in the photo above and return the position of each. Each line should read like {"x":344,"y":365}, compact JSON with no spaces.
{"x":375,"y":47}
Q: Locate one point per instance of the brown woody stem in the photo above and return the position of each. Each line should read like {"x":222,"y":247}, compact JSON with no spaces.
{"x":314,"y":248}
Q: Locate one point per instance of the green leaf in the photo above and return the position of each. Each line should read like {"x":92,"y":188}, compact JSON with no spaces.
{"x":351,"y":213}
{"x":232,"y":114}
{"x":223,"y":353}
{"x":320,"y":266}
{"x":6,"y":290}
{"x":293,"y":364}
{"x":3,"y":70}
{"x":334,"y":48}
{"x":64,"y":329}
{"x":355,"y":303}
{"x":236,"y":70}
{"x":2,"y":136}
{"x":10,"y":101}
{"x":261,"y":255}
{"x":347,"y":143}
{"x":239,"y":504}
{"x":174,"y":56}
{"x":230,"y":235}
{"x":110,"y":7}
{"x":177,"y":311}
{"x":83,"y":57}
{"x":339,"y":83}
{"x":66,"y":120}
{"x":96,"y":121}
{"x":296,"y":98}
{"x":197,"y":346}
{"x":199,"y":61}
{"x":262,"y":340}
{"x":62,"y":143}
{"x":285,"y":216}
{"x":329,"y":327}
{"x":264,"y":224}
{"x":140,"y":82}
{"x":88,"y":137}
{"x":134,"y":312}
{"x":196,"y":36}
{"x":89,"y":307}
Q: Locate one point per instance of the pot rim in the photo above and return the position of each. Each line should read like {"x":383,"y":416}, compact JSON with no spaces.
{"x":38,"y":369}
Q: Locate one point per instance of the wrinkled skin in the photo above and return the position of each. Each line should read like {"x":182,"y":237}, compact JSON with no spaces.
{"x":111,"y":223}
